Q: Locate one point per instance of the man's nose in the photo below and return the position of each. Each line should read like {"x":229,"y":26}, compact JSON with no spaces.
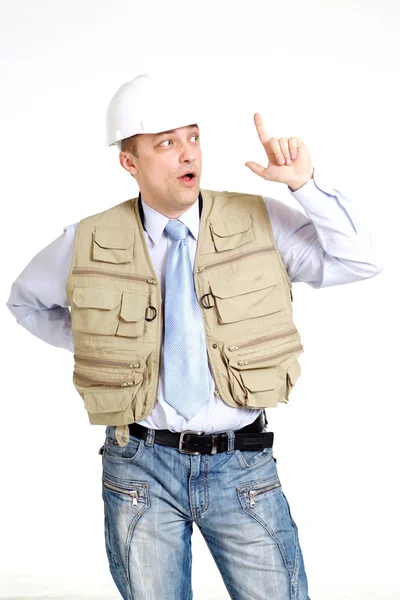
{"x":187,"y":153}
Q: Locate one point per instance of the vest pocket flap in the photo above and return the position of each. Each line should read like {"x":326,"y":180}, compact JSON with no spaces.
{"x":113,"y":245}
{"x":114,"y":238}
{"x":225,"y":228}
{"x":251,"y":295}
{"x":107,"y":401}
{"x":96,"y":298}
{"x":133,"y":306}
{"x":231,"y":233}
{"x":251,"y":282}
{"x":258,"y":380}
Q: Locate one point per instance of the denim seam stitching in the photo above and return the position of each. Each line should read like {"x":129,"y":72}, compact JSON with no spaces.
{"x":206,"y":490}
{"x":126,"y":575}
{"x":129,"y":536}
{"x":276,"y":540}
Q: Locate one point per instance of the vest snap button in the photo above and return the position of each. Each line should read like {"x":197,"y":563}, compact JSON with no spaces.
{"x":215,"y":345}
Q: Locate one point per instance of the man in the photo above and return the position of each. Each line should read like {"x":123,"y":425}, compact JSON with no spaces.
{"x":182,"y":329}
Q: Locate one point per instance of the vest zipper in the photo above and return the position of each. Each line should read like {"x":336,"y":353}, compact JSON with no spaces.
{"x":93,"y":271}
{"x":112,"y":363}
{"x":260,"y":358}
{"x":235,"y":258}
{"x":253,"y":493}
{"x":133,"y":493}
{"x":109,"y":382}
{"x":265,"y":338}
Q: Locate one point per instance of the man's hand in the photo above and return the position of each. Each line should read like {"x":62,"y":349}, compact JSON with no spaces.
{"x":289,"y":161}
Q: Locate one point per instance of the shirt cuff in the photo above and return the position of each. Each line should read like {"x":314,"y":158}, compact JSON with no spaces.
{"x":312,"y":187}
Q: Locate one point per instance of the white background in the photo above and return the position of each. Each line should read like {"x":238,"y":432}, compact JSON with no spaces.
{"x":327,"y":72}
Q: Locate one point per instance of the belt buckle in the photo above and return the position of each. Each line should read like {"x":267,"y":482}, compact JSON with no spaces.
{"x":181,"y":441}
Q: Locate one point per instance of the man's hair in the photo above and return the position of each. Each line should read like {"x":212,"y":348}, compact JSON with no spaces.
{"x":130,"y":145}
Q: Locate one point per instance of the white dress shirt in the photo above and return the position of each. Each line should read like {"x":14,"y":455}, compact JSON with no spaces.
{"x":330,"y":245}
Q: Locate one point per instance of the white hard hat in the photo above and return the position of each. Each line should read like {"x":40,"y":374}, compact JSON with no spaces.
{"x":148,"y":105}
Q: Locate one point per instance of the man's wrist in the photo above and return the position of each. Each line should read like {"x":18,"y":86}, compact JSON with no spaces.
{"x":294,"y":186}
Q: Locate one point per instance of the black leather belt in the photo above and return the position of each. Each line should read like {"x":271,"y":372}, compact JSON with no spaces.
{"x":198,"y":442}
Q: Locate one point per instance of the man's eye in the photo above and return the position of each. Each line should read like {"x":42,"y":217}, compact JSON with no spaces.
{"x":195,"y":136}
{"x":165,"y":143}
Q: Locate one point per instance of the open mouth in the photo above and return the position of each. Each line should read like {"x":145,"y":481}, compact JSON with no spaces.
{"x":187,"y":177}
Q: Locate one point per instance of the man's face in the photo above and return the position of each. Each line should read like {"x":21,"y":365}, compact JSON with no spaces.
{"x":167,"y":168}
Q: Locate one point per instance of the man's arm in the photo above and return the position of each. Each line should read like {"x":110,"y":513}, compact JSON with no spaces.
{"x":331,"y":244}
{"x":38,"y":298}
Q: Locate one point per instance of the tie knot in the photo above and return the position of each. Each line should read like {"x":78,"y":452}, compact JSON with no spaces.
{"x":176,"y":229}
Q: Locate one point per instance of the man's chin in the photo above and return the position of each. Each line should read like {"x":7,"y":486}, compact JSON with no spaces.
{"x":189,"y":196}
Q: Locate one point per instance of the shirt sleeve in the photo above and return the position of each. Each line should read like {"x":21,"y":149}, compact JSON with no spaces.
{"x":38,"y":298}
{"x":329,"y":245}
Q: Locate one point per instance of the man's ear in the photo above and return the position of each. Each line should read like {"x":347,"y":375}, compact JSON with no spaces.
{"x":128,"y":162}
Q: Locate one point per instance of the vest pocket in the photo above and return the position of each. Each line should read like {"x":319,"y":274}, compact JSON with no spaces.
{"x":113,"y":245}
{"x":255,"y":388}
{"x":95,"y":310}
{"x":251,"y":295}
{"x":132,"y":316}
{"x":263,"y":378}
{"x":262,"y":386}
{"x":103,"y":311}
{"x":108,"y":407}
{"x":113,"y":394}
{"x":107,"y":376}
{"x":231,"y":232}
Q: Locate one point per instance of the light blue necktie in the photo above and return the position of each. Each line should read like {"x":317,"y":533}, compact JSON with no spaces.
{"x":186,"y":383}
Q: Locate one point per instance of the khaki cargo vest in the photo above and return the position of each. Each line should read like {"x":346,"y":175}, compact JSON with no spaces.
{"x":116,"y":309}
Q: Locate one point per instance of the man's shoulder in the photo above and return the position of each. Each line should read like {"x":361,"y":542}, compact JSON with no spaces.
{"x":114,"y":212}
{"x":228,"y":194}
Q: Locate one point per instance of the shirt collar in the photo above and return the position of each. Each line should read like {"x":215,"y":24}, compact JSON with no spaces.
{"x":155,"y":222}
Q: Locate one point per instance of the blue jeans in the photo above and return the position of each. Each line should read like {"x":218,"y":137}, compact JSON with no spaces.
{"x":152,"y":495}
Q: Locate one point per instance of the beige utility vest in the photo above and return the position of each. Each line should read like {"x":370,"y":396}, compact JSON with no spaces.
{"x":117,"y":319}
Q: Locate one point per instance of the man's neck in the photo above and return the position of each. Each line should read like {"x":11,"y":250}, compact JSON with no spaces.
{"x":140,"y":200}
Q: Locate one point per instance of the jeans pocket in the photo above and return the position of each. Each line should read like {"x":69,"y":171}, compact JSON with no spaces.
{"x":113,"y":452}
{"x":251,"y":458}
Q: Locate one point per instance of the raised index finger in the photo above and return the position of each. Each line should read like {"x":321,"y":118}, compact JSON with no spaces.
{"x":262,"y":132}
